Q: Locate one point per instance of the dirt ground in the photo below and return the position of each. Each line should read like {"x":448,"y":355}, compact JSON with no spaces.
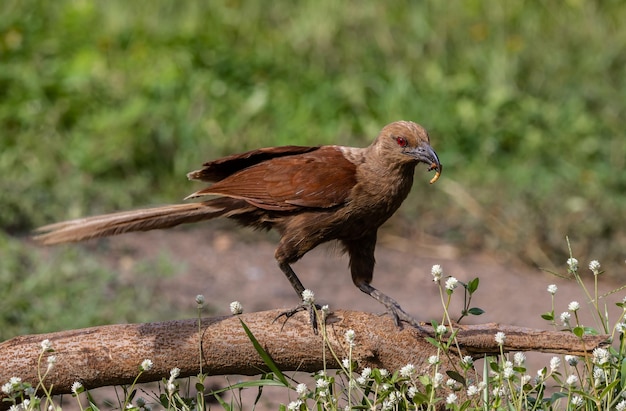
{"x":226,"y":265}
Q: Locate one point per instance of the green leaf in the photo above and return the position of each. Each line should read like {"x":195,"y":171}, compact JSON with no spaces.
{"x":549,"y":316}
{"x":472,"y":286}
{"x":578,"y":331}
{"x":267,"y":359}
{"x":456,"y":377}
{"x":476,"y":311}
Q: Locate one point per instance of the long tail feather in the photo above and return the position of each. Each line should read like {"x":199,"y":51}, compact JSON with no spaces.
{"x":127,"y":221}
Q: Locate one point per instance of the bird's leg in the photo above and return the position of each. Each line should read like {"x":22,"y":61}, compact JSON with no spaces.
{"x":392,"y":305}
{"x":299,"y":288}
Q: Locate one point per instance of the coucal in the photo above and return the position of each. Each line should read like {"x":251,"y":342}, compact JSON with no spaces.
{"x":310,"y":195}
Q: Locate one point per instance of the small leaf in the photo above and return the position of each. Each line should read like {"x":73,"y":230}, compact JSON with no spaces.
{"x":472,"y":286}
{"x":476,"y":311}
{"x":456,"y":377}
{"x":578,"y":331}
{"x":549,"y":316}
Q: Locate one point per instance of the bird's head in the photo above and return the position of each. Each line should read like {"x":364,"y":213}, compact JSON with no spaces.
{"x":405,"y":142}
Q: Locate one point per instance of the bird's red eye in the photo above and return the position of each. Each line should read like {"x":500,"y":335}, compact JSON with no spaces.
{"x":401,"y":141}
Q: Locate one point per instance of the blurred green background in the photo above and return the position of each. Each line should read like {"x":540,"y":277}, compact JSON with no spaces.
{"x":106,"y":105}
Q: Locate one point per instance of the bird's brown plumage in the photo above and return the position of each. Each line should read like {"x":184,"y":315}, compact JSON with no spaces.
{"x":310,"y":195}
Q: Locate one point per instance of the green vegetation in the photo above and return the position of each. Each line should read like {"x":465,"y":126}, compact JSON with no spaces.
{"x":106,"y":105}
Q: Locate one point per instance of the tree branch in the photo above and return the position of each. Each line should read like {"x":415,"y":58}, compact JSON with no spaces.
{"x":111,"y":355}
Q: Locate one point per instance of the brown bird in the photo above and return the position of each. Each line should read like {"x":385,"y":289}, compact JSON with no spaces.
{"x":310,"y":195}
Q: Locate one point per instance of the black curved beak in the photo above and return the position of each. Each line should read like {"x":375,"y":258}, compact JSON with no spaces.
{"x":424,"y":153}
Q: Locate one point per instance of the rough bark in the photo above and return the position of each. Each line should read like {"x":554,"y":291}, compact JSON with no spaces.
{"x":111,"y":355}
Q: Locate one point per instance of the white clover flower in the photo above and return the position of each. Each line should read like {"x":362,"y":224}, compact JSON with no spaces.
{"x":407,"y":370}
{"x":507,"y":370}
{"x":451,"y":283}
{"x":451,"y":399}
{"x":441,"y":329}
{"x":174,"y":373}
{"x":411,"y":392}
{"x":472,"y":390}
{"x":621,"y":406}
{"x":308,"y":296}
{"x":325,"y":308}
{"x":500,"y":337}
{"x":571,"y":380}
{"x":383,"y":372}
{"x":294,"y":405}
{"x":594,"y":266}
{"x":302,"y":390}
{"x":573,"y":306}
{"x":321,"y":383}
{"x":571,"y":360}
{"x":601,"y":356}
{"x":552,"y":288}
{"x":452,"y":384}
{"x":565,"y":317}
{"x":346,"y":363}
{"x":433,"y":359}
{"x":350,"y":335}
{"x":437,"y":380}
{"x":7,"y":388}
{"x":525,"y":379}
{"x":170,"y":387}
{"x":77,"y":387}
{"x":468,"y":360}
{"x":361,"y":380}
{"x":366,"y":372}
{"x":46,"y":345}
{"x":236,"y":308}
{"x":200,"y":299}
{"x":437,"y":272}
{"x":576,"y":401}
{"x":519,"y":358}
{"x":51,"y":361}
{"x":572,"y":263}
{"x":555,"y":363}
{"x":620,"y":327}
{"x":146,"y":365}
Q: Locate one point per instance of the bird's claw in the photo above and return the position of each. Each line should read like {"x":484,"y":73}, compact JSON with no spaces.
{"x":312,"y":308}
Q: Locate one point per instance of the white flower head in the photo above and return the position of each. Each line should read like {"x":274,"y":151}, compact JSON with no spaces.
{"x":573,"y":306}
{"x":451,"y":283}
{"x":594,"y":266}
{"x":468,"y":360}
{"x":346,"y":364}
{"x":302,"y":390}
{"x":407,"y":370}
{"x":500,"y":337}
{"x":146,"y":365}
{"x":451,"y":399}
{"x":350,"y":335}
{"x":433,"y":360}
{"x":294,"y":405}
{"x":571,"y":380}
{"x":77,"y":387}
{"x":437,"y":380}
{"x":565,"y":317}
{"x":552,"y":288}
{"x":236,"y":308}
{"x":441,"y":329}
{"x":472,"y":390}
{"x":308,"y":296}
{"x":437,"y":272}
{"x":572,"y":264}
{"x":577,"y":401}
{"x":46,"y":345}
{"x":519,"y":358}
{"x":51,"y":361}
{"x":555,"y":363}
{"x":571,"y":360}
{"x":621,"y":406}
{"x":601,"y":356}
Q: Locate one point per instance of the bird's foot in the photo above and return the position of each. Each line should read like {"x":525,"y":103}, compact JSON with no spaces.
{"x":312,"y":308}
{"x":393,"y":308}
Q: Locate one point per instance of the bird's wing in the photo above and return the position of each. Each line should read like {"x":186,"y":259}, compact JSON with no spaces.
{"x":221,"y":168}
{"x":319,"y":179}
